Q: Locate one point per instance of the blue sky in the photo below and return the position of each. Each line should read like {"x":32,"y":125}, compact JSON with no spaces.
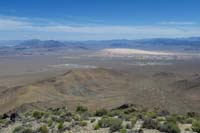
{"x":98,"y":19}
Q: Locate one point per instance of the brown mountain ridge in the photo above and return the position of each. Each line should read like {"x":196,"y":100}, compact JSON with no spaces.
{"x":106,"y":88}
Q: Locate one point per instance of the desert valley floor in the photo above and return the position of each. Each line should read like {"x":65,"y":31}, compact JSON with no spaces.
{"x":98,"y":80}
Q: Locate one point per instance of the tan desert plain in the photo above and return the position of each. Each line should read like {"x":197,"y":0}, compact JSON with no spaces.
{"x":99,"y":79}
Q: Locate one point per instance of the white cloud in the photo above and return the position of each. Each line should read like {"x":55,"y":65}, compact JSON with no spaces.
{"x":178,"y":23}
{"x":8,"y":24}
{"x":23,"y":28}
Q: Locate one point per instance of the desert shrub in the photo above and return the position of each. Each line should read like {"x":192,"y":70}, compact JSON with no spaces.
{"x":130,"y":110}
{"x":191,"y":114}
{"x":96,"y":126}
{"x":37,"y":114}
{"x":85,"y":115}
{"x":68,"y":119}
{"x":76,"y":117}
{"x":83,"y":123}
{"x":60,"y":120}
{"x":81,"y":109}
{"x":113,"y":123}
{"x":50,"y":122}
{"x":169,"y":127}
{"x":43,"y":129}
{"x":161,"y":119}
{"x":114,"y":113}
{"x":129,"y":126}
{"x":172,"y":119}
{"x":150,"y":123}
{"x":133,"y":121}
{"x":140,"y":116}
{"x":196,"y":126}
{"x":18,"y":129}
{"x":28,"y":114}
{"x":92,"y":120}
{"x":123,"y":130}
{"x":60,"y":126}
{"x":125,"y":117}
{"x":54,"y":118}
{"x":101,"y":112}
{"x":57,"y":111}
{"x":182,"y":119}
{"x":3,"y":121}
{"x":187,"y":129}
{"x":189,"y":120}
{"x":104,"y":122}
{"x":151,"y":114}
{"x":27,"y":130}
{"x":163,"y":113}
{"x":21,"y":129}
{"x":46,"y":115}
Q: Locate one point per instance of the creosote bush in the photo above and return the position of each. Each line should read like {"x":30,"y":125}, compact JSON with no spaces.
{"x":113,"y":123}
{"x":27,"y":130}
{"x":60,"y":126}
{"x":43,"y":129}
{"x":129,"y":126}
{"x":50,"y":122}
{"x":18,"y":129}
{"x":150,"y":123}
{"x":123,"y":130}
{"x":151,"y":114}
{"x":21,"y":129}
{"x":92,"y":120}
{"x":196,"y":126}
{"x":96,"y":126}
{"x":81,"y":109}
{"x":83,"y":123}
{"x":37,"y":114}
{"x":169,"y":127}
{"x":133,"y":121}
{"x":85,"y":115}
{"x":101,"y":112}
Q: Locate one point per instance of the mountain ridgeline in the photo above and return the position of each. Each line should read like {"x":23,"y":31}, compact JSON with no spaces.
{"x":176,"y":44}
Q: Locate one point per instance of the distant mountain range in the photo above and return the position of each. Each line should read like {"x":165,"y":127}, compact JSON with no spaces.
{"x":180,"y":44}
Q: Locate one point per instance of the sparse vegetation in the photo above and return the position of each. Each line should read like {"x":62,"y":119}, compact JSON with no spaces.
{"x":60,"y":126}
{"x":43,"y":129}
{"x":101,"y":112}
{"x":150,"y":123}
{"x":38,"y":114}
{"x":81,"y":109}
{"x":92,"y":120}
{"x":18,"y":129}
{"x":96,"y":126}
{"x":21,"y":129}
{"x":83,"y":123}
{"x":113,"y":123}
{"x":123,"y":130}
{"x":50,"y":122}
{"x":121,"y":120}
{"x":133,"y":121}
{"x":196,"y":126}
{"x":169,"y":127}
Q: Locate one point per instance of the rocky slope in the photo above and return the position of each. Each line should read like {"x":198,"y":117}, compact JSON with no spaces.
{"x":106,"y":88}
